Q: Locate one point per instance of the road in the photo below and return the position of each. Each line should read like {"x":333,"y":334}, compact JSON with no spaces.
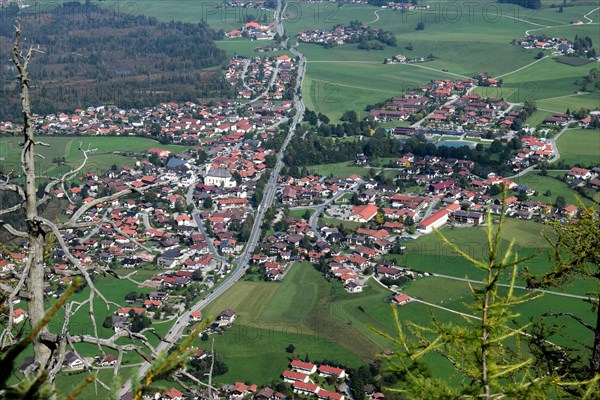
{"x":242,"y":261}
{"x":575,"y":296}
{"x":318,"y":209}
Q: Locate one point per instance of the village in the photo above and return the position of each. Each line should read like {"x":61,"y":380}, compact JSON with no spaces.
{"x":197,"y":206}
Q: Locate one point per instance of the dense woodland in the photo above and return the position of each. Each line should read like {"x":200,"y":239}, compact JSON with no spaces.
{"x":95,"y":56}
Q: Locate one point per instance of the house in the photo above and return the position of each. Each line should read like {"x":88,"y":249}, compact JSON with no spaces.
{"x":401,"y":299}
{"x":226,"y":317}
{"x":196,"y":316}
{"x":293,"y":376}
{"x":107,"y":361}
{"x":327,"y":371}
{"x":579,"y":173}
{"x":327,"y":395}
{"x":19,"y":315}
{"x":172,"y":394}
{"x":466,"y":217}
{"x":438,"y":219}
{"x":303,"y":367}
{"x":305,"y":388}
{"x":265,"y":394}
{"x":363,"y":213}
{"x":73,"y":361}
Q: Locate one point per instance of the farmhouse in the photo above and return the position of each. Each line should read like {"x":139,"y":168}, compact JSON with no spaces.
{"x":401,"y":299}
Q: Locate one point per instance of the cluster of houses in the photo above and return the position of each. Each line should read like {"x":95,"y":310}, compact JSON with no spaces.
{"x":338,"y":35}
{"x":415,"y":101}
{"x":400,"y":59}
{"x":543,"y":42}
{"x":267,"y":77}
{"x":300,"y":377}
{"x":253,"y":31}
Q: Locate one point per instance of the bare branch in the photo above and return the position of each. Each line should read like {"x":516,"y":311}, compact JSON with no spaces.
{"x":571,"y":315}
{"x":12,"y":209}
{"x":13,"y":231}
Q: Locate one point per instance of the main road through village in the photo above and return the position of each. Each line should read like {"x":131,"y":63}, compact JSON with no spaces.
{"x":269,"y":195}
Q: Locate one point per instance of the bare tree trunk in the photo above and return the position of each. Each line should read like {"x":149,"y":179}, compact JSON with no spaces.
{"x":36,"y":239}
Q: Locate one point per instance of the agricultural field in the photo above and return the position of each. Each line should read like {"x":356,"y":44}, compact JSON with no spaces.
{"x":580,"y":146}
{"x":572,"y":102}
{"x":218,"y":17}
{"x":316,"y":316}
{"x":106,"y":152}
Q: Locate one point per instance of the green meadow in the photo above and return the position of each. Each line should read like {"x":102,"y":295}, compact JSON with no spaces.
{"x":541,"y":184}
{"x":580,"y":146}
{"x":104,"y":154}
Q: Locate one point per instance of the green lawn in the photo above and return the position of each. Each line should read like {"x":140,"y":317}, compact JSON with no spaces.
{"x":342,"y":169}
{"x":68,"y":147}
{"x":580,"y":146}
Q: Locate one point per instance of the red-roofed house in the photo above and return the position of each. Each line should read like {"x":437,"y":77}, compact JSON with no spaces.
{"x":438,"y":219}
{"x":363,"y":213}
{"x":327,"y":395}
{"x":173,"y":394}
{"x":326,"y":370}
{"x":402,"y":299}
{"x":293,"y":376}
{"x":305,"y":388}
{"x":303,"y":367}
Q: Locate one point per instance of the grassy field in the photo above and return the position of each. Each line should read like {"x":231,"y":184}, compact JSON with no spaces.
{"x":343,"y":169}
{"x":68,"y":147}
{"x":590,"y":101}
{"x":305,"y":310}
{"x":543,"y":183}
{"x":580,"y":146}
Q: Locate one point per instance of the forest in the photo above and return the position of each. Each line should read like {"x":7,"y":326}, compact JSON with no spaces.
{"x":90,"y":55}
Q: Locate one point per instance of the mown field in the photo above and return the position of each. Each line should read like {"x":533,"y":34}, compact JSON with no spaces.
{"x":305,"y":310}
{"x":580,"y":146}
{"x":104,"y":156}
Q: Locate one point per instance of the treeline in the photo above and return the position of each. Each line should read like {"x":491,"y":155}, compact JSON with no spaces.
{"x":533,"y":4}
{"x":314,"y":149}
{"x":95,"y":56}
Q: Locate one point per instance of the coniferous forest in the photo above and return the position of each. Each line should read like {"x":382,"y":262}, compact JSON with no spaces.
{"x":90,"y":55}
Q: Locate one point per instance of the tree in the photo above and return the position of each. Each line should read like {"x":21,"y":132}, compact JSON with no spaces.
{"x":207,"y":203}
{"x":420,"y":26}
{"x":42,"y":236}
{"x":576,"y":255}
{"x":484,"y":350}
{"x":290,"y":348}
{"x":560,"y":202}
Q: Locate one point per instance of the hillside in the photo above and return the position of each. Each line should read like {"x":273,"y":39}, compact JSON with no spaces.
{"x":94,"y":56}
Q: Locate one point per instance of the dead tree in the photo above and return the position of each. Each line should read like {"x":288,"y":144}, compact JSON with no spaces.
{"x":50,"y":347}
